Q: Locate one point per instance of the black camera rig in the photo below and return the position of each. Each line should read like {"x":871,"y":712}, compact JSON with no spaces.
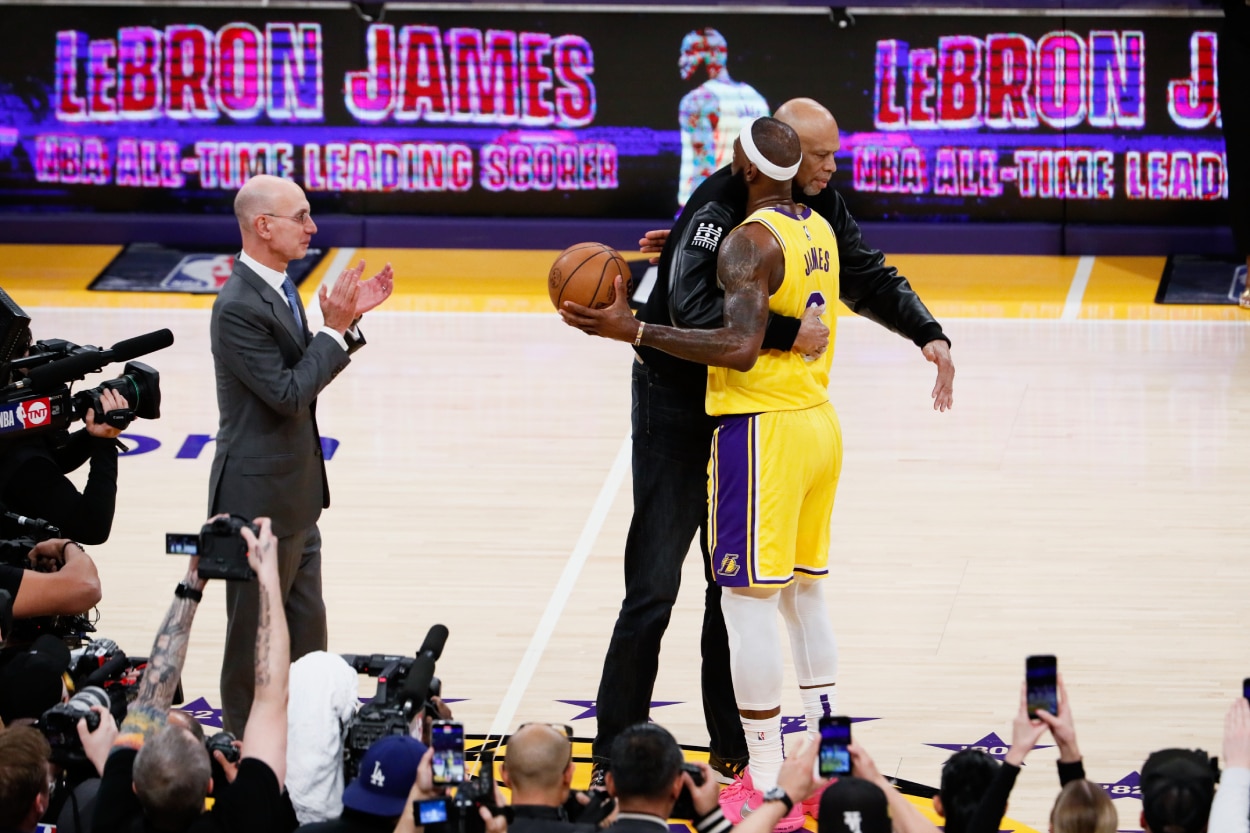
{"x":406,"y":686}
{"x":35,"y":397}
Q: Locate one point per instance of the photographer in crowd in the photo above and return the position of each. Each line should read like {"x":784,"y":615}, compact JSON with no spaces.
{"x":24,"y":786}
{"x":77,"y":783}
{"x":375,"y":799}
{"x":324,"y":691}
{"x":53,"y":578}
{"x":491,"y":810}
{"x":647,"y":776}
{"x":33,"y":481}
{"x":539,"y":771}
{"x":159,"y":774}
{"x":32,"y":680}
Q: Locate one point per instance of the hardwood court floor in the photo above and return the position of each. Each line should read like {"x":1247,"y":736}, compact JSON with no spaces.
{"x":1088,"y":496}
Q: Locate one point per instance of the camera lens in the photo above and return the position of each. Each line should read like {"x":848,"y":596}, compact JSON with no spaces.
{"x":89,"y":696}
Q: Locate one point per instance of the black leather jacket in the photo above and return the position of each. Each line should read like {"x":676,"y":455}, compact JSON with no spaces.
{"x":686,"y":292}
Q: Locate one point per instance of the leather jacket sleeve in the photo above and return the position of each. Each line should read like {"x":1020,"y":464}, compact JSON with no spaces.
{"x":695,"y":298}
{"x":871,"y":288}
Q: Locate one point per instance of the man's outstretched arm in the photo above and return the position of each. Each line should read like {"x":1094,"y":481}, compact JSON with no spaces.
{"x":264,"y":738}
{"x":150,"y":709}
{"x":877,"y":291}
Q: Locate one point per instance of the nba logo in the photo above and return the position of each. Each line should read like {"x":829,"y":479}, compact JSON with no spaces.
{"x":199,"y":273}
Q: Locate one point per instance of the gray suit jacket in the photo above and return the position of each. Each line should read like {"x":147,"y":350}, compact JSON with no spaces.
{"x":269,"y":371}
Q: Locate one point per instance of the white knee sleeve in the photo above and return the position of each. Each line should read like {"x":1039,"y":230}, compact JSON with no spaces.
{"x":811,"y":633}
{"x":754,"y":648}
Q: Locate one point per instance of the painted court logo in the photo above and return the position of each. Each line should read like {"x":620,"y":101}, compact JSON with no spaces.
{"x":199,"y":273}
{"x":729,"y":565}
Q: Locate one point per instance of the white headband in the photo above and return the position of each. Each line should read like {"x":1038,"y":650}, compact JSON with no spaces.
{"x":768,"y":169}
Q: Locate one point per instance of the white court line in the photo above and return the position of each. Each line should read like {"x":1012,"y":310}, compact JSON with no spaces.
{"x":340,"y":262}
{"x":1076,"y":292}
{"x":560,"y":596}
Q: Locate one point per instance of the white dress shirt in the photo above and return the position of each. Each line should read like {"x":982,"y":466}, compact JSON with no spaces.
{"x":275,"y":279}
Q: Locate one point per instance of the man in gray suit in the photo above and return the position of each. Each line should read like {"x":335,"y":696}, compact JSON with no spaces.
{"x":269,"y":370}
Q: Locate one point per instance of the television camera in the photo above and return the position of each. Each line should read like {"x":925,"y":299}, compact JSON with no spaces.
{"x":406,"y":686}
{"x":35,"y":396}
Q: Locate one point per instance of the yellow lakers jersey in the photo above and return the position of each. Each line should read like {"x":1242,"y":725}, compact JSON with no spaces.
{"x":787,"y":381}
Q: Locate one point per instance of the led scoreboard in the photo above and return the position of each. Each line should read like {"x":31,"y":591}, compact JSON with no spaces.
{"x":550,"y":113}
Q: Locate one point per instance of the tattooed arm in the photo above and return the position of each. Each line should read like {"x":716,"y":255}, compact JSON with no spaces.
{"x":750,"y":268}
{"x":149,"y":711}
{"x":264,"y":737}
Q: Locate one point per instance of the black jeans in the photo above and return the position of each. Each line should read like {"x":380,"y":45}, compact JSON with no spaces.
{"x":672,"y":437}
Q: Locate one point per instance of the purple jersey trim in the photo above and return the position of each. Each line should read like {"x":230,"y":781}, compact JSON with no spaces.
{"x":804,"y":212}
{"x":732,"y":468}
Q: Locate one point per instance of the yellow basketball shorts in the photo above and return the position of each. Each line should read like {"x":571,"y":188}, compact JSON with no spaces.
{"x":771,"y":483}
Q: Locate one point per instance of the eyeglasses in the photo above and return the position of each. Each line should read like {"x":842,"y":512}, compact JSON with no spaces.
{"x":562,"y":728}
{"x":302,"y":218}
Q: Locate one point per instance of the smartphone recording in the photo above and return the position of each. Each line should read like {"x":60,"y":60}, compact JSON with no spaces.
{"x":835,"y":738}
{"x":1041,"y":678}
{"x":447,"y":740}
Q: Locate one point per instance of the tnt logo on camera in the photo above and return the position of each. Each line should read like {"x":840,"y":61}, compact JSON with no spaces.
{"x":36,"y":413}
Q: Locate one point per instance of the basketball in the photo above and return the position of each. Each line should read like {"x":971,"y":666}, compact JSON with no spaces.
{"x":585,"y":274}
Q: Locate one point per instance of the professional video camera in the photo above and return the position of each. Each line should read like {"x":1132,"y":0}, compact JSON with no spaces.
{"x":36,"y":397}
{"x":405,"y":687}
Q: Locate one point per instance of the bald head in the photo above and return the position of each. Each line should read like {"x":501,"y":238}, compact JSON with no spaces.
{"x":274,"y":219}
{"x":537,"y":760}
{"x":257,"y":196}
{"x":806,"y":116}
{"x":818,"y":136}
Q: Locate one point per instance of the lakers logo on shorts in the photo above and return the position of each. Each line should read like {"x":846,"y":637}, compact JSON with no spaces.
{"x":729,"y":565}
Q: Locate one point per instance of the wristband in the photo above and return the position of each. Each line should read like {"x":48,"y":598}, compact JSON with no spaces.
{"x":642,"y":325}
{"x":66,"y":544}
{"x":186,"y":591}
{"x":778,"y":794}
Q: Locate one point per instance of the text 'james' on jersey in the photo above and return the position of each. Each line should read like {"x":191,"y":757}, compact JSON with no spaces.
{"x":816,"y":258}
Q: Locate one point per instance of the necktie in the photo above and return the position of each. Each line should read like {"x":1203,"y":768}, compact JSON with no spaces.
{"x":292,"y":299}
